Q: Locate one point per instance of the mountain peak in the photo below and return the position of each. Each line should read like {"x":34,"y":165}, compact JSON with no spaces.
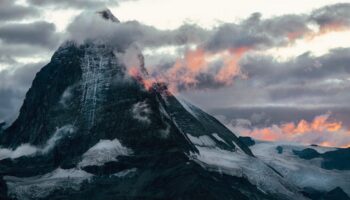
{"x":108,"y":15}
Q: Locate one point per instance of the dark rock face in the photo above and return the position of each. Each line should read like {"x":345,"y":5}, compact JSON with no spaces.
{"x":335,"y":194}
{"x":338,"y":159}
{"x":107,"y":15}
{"x":3,"y":189}
{"x":247,"y":141}
{"x":40,"y":109}
{"x":279,"y":149}
{"x":307,"y":153}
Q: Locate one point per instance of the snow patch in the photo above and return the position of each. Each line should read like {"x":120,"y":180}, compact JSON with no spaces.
{"x":141,"y":111}
{"x":203,"y":140}
{"x":216,"y":136}
{"x":29,"y":150}
{"x":125,"y":172}
{"x":41,"y":186}
{"x":104,"y":151}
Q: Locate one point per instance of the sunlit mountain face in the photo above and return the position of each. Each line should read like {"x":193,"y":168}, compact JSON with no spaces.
{"x":97,"y":107}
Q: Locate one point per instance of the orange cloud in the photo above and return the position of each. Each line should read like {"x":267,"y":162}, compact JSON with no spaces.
{"x":186,"y":70}
{"x":145,"y":80}
{"x":231,"y":67}
{"x":319,"y":131}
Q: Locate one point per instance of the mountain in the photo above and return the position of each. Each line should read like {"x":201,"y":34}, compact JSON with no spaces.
{"x":89,"y":130}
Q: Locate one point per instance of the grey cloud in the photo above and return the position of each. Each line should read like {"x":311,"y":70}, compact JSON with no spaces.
{"x":269,"y":81}
{"x":13,"y":51}
{"x":258,"y":33}
{"x":37,"y":34}
{"x":88,"y":26}
{"x":299,"y":82}
{"x":80,"y":4}
{"x":7,"y":59}
{"x":14,"y":84}
{"x":255,"y":32}
{"x":265,"y":116}
{"x":303,"y":69}
{"x":337,"y":13}
{"x":9,"y":11}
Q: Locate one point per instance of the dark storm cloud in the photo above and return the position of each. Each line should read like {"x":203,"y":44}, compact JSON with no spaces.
{"x":79,"y":4}
{"x":37,"y":34}
{"x":304,"y":69}
{"x":305,"y":81}
{"x":256,"y":32}
{"x":10,"y":11}
{"x":333,"y":14}
{"x":14,"y":84}
{"x":319,"y":80}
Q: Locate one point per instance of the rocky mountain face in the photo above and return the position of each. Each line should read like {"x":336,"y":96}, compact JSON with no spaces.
{"x":89,"y":130}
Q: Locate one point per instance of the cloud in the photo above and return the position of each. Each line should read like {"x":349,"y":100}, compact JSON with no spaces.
{"x":14,"y":83}
{"x":226,"y":55}
{"x":199,"y":69}
{"x":215,"y":60}
{"x":223,"y":58}
{"x":307,"y":77}
{"x":104,"y":151}
{"x":258,"y":33}
{"x":141,"y":112}
{"x":29,"y":150}
{"x":255,"y":32}
{"x":321,"y":131}
{"x":39,"y":33}
{"x":78,"y":4}
{"x":306,"y":80}
{"x":10,"y":11}
{"x":122,"y":35}
{"x":332,"y":14}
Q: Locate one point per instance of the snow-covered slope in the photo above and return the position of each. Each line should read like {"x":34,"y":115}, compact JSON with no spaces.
{"x":302,"y":172}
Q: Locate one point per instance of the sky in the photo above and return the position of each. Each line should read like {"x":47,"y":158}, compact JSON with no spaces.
{"x":275,"y":70}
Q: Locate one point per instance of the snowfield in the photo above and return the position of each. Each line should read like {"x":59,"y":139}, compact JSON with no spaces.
{"x":302,"y":172}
